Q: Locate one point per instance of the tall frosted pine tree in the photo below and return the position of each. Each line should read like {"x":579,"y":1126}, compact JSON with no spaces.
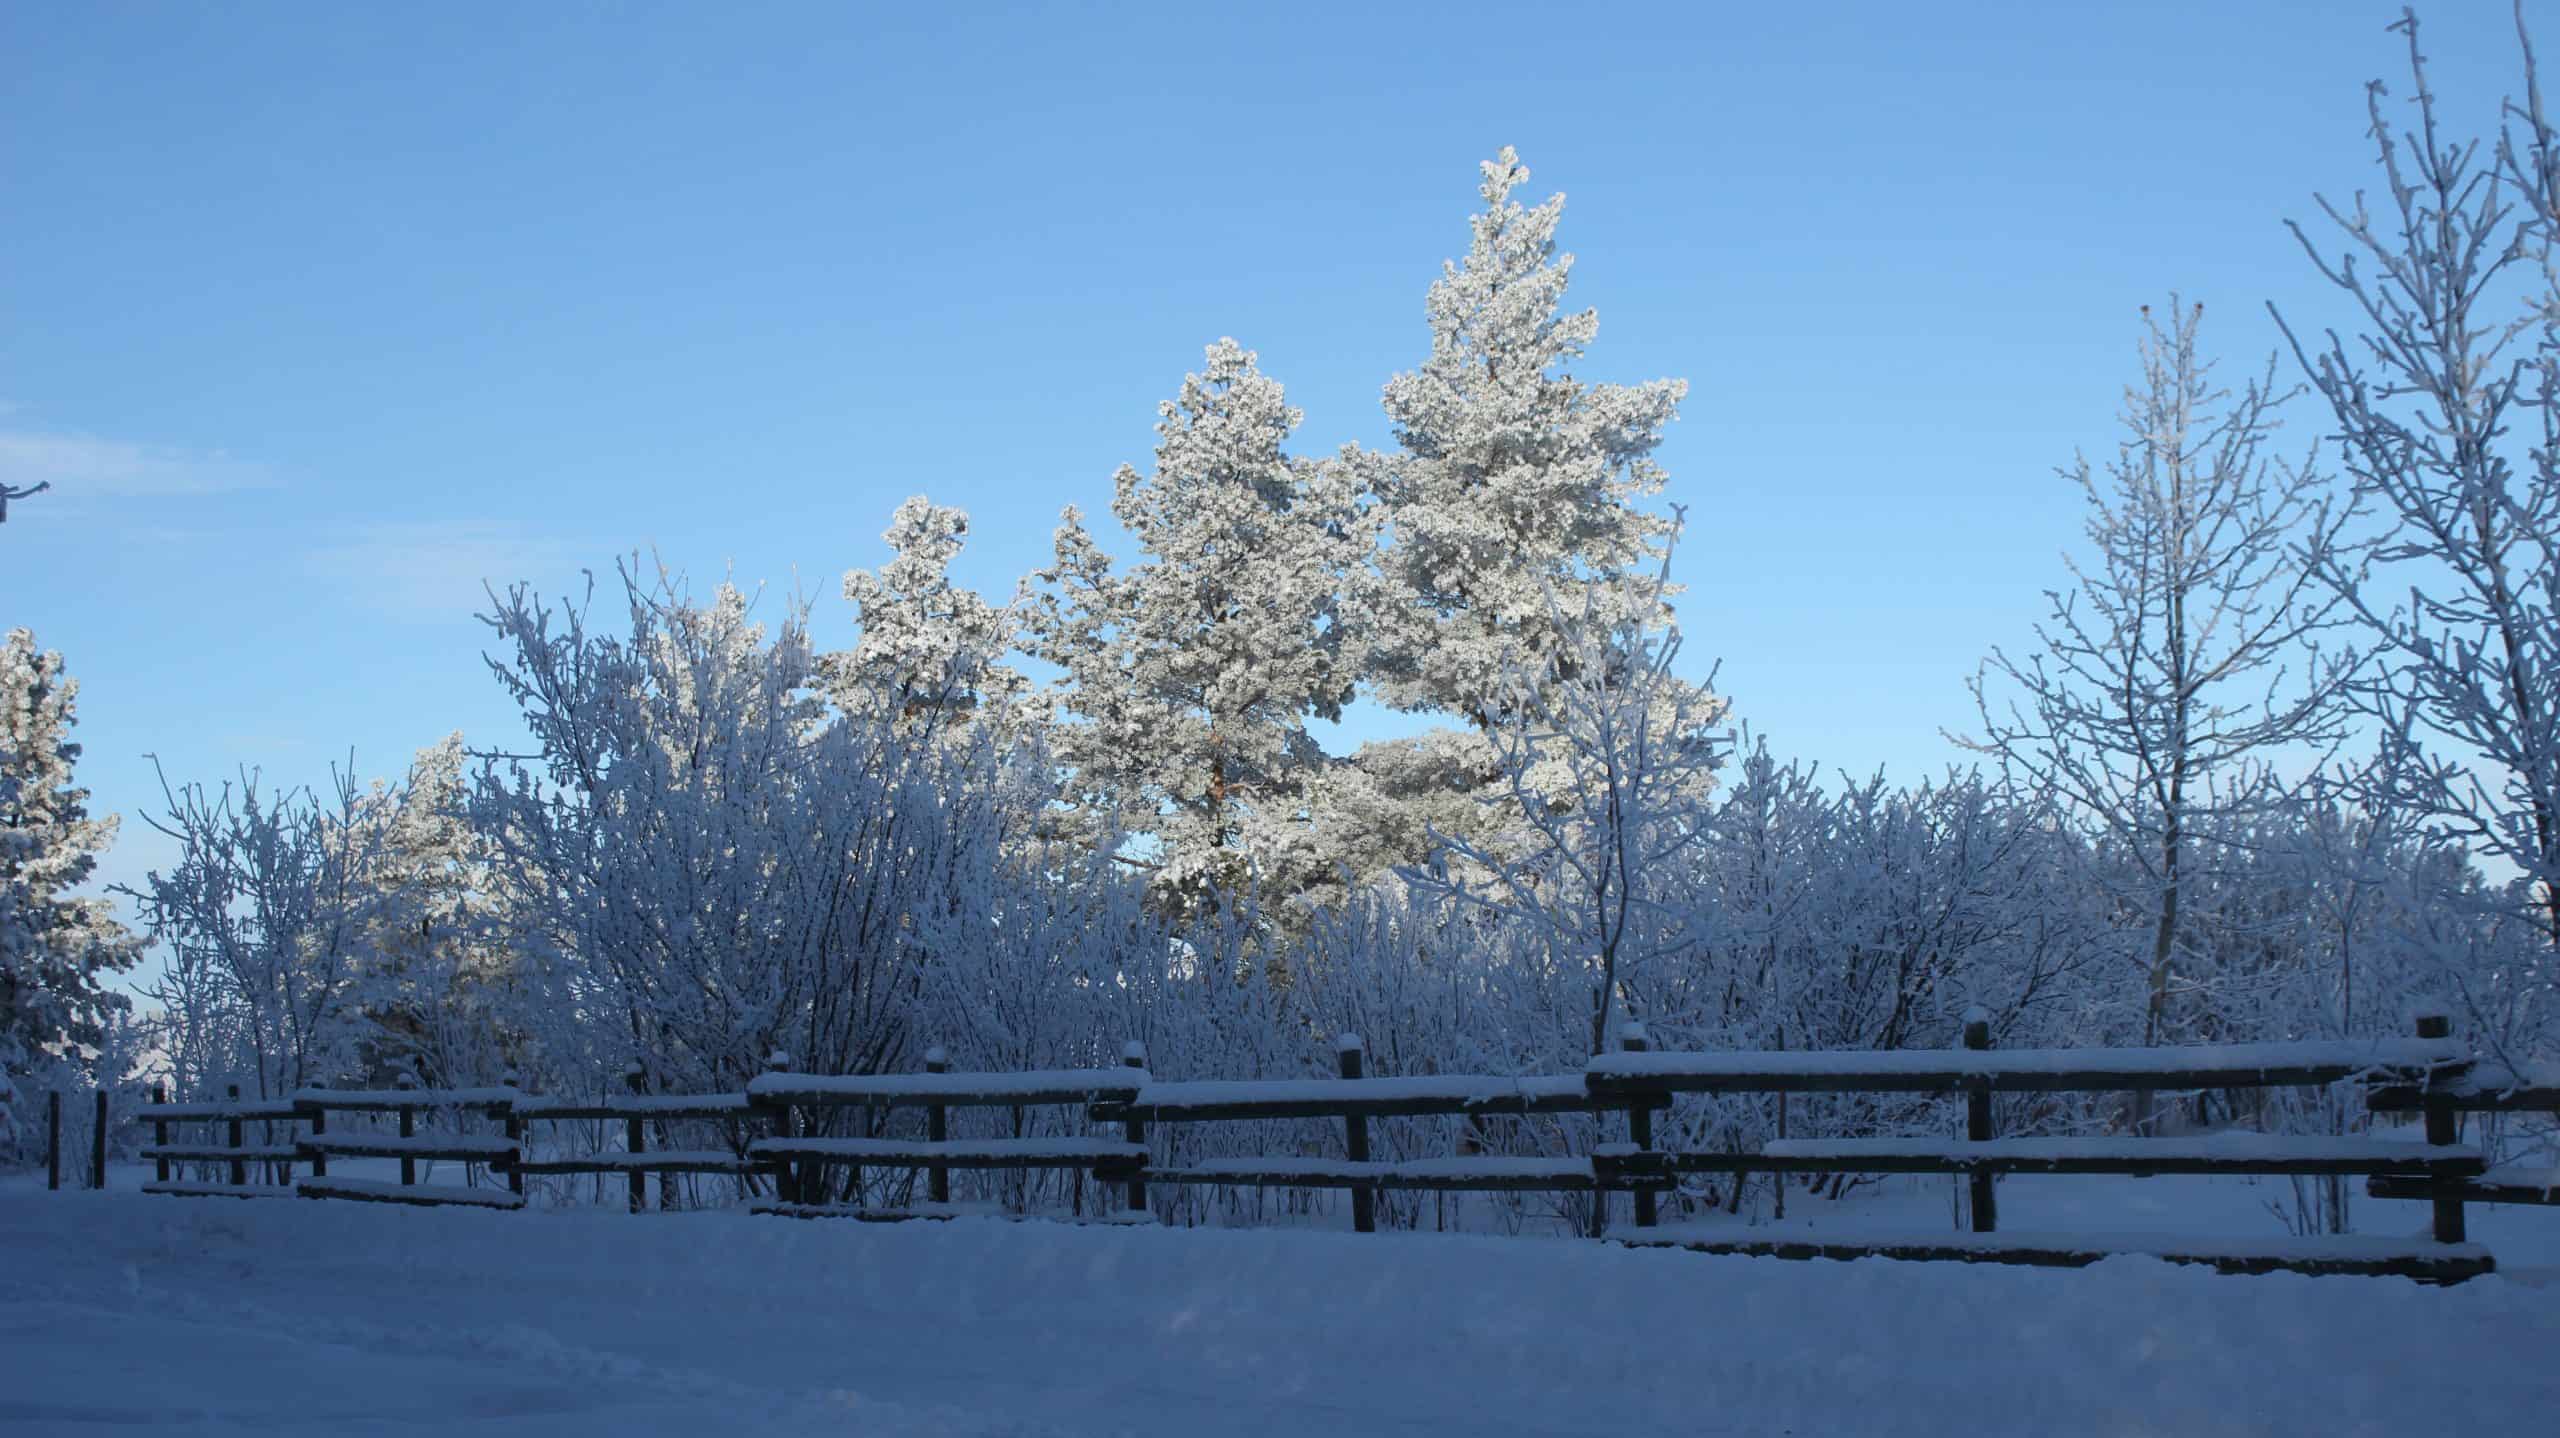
{"x":930,"y":649}
{"x":56,"y":949}
{"x":1515,"y":477}
{"x":1189,"y":678}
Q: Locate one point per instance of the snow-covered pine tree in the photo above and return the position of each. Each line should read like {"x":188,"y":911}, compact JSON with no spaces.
{"x":428,"y":976}
{"x":930,"y":650}
{"x":56,"y":949}
{"x":1515,"y":482}
{"x":1189,"y":679}
{"x":1516,"y":479}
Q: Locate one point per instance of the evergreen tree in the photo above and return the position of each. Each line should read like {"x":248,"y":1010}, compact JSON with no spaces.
{"x":1189,"y":680}
{"x":1516,"y":479}
{"x":55,"y":950}
{"x":929,"y":648}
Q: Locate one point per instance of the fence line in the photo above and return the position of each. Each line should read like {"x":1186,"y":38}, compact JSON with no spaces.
{"x":775,"y":1138}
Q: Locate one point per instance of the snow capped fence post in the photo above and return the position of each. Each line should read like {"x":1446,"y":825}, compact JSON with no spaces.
{"x":98,"y":1145}
{"x":1134,"y":1055}
{"x":635,"y":1139}
{"x":408,"y":1128}
{"x":159,"y":1133}
{"x":937,"y":1127}
{"x":1634,"y":1040}
{"x":1977,"y":1122}
{"x":786,"y":1181}
{"x":319,"y":1130}
{"x":52,"y":1141}
{"x":2450,"y":1227}
{"x":1355,"y":1140}
{"x":515,"y":1135}
{"x":235,"y":1132}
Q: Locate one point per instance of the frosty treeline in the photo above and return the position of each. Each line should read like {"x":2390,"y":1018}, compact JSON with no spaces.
{"x":2278,"y":758}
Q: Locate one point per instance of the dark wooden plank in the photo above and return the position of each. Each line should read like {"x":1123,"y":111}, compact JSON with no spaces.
{"x":1111,"y":1154}
{"x":2022,"y":1070}
{"x":217,"y":1153}
{"x":2465,"y":1096}
{"x":216,"y":1112}
{"x":2479,"y":1190}
{"x":392,"y":1100}
{"x":2055,"y":1156}
{"x":1466,"y":1175}
{"x":180,"y":1188}
{"x":654,"y":1161}
{"x":416,"y":1195}
{"x":2419,"y":1262}
{"x":667,"y":1107}
{"x":466,"y":1148}
{"x":1407,"y":1097}
{"x":956,"y":1090}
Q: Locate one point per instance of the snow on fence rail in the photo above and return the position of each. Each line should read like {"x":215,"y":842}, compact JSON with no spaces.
{"x":773,"y":1139}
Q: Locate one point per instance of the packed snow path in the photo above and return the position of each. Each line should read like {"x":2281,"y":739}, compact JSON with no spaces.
{"x":120,"y":1313}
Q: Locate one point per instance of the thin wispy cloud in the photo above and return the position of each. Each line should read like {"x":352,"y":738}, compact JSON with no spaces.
{"x":85,"y":465}
{"x":442,"y":569}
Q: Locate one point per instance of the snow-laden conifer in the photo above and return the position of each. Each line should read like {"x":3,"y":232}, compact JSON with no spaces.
{"x":930,"y":648}
{"x":1190,"y":677}
{"x":57,"y":948}
{"x":1515,"y":476}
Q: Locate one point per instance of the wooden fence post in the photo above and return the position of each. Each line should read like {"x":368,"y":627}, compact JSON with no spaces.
{"x":319,"y":1129}
{"x":515,"y":1135}
{"x":1780,"y":1184}
{"x":1134,"y":1055}
{"x":1355,"y":1140}
{"x":786,"y":1181}
{"x":635,"y":1139}
{"x":2441,"y":1129}
{"x":1977,"y":1123}
{"x":238,"y":1134}
{"x":937,"y":1128}
{"x":98,"y":1145}
{"x":1634,"y":1040}
{"x":408,"y":1128}
{"x":160,"y":1133}
{"x":53,"y":1141}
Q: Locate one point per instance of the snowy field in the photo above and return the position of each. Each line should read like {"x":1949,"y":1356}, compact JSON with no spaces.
{"x":121,"y":1313}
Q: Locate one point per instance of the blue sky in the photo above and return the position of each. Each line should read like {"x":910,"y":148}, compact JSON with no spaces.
{"x":317,"y":316}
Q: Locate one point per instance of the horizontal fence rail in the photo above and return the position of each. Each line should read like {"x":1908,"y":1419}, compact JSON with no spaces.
{"x":776,"y":1139}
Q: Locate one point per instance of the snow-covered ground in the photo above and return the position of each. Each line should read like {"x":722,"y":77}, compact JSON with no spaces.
{"x":122,"y":1313}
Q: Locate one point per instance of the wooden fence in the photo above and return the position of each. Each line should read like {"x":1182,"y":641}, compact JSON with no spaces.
{"x":775,"y":1140}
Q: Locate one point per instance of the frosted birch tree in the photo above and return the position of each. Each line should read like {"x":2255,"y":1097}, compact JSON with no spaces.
{"x":2448,"y":411}
{"x":266,"y":920}
{"x":2181,"y":667}
{"x":57,"y":948}
{"x":1190,"y":678}
{"x":1608,"y":756}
